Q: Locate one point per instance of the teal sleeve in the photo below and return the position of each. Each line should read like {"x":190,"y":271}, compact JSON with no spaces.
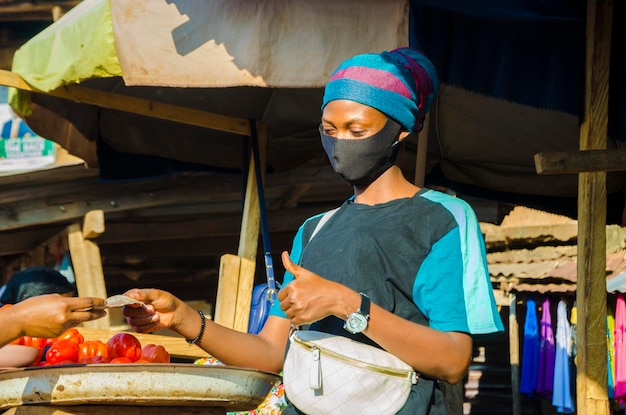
{"x":458,"y":260}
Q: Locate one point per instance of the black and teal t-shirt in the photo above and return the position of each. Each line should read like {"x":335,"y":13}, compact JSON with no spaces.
{"x":424,"y":252}
{"x":422,"y":258}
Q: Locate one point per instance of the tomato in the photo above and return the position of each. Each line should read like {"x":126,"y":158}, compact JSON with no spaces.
{"x":155,"y":353}
{"x":120,"y":360}
{"x":73,"y":335}
{"x":62,"y":350}
{"x":93,"y":360}
{"x":124,"y":345}
{"x":38,"y":342}
{"x":93,"y":348}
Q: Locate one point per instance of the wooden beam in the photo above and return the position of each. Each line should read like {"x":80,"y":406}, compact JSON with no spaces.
{"x":93,"y":225}
{"x":568,"y":162}
{"x":87,"y":266}
{"x":34,"y":207}
{"x":134,"y":105}
{"x":514,"y":359}
{"x":234,"y":278}
{"x":214,"y":225}
{"x":591,"y":347}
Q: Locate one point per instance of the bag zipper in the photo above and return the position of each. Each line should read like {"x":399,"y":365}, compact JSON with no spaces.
{"x":409,"y":375}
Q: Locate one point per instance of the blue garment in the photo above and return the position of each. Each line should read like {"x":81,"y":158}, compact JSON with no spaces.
{"x":562,"y":393}
{"x":530,"y":352}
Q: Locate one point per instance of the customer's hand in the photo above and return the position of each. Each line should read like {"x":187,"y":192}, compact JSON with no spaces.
{"x":159,"y":312}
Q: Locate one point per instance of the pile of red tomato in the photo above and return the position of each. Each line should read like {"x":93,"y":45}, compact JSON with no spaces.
{"x":71,"y":347}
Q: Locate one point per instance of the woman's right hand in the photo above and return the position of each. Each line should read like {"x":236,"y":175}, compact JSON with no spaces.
{"x":49,"y":315}
{"x":159,"y":312}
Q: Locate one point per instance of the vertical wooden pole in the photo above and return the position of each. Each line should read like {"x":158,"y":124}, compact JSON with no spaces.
{"x":514,"y":354}
{"x":591,"y":378}
{"x":236,"y":278}
{"x":87,"y":262}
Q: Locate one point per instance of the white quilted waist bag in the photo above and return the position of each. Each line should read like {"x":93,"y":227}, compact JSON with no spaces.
{"x":328,"y":374}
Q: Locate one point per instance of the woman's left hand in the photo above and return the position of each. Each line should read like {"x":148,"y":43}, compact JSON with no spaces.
{"x":310,"y":297}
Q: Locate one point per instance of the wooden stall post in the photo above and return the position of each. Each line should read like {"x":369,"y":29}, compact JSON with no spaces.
{"x":591,"y":163}
{"x":591,"y":378}
{"x":514,"y":354}
{"x":236,"y":276}
{"x":86,"y":261}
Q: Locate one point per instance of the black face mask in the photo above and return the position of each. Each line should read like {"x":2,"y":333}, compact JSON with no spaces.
{"x":361,"y":161}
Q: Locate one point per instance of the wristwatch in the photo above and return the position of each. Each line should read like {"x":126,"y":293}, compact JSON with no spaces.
{"x":357,"y":321}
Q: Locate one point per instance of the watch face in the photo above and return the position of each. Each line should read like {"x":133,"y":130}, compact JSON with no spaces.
{"x":356,"y":323}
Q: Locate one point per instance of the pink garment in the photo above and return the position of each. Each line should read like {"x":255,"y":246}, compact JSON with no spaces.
{"x":620,"y":349}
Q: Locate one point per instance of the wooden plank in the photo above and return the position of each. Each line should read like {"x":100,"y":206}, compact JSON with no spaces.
{"x":227,"y":287}
{"x":567,"y":162}
{"x":33,"y":207}
{"x":244,"y":295}
{"x":232,"y":305}
{"x":514,"y":359}
{"x":87,"y":266}
{"x":176,"y":346}
{"x":591,"y":347}
{"x":127,"y":230}
{"x":93,"y":225}
{"x":251,"y":218}
{"x":134,"y":105}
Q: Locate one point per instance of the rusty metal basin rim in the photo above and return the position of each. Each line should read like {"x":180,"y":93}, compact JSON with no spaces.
{"x":233,"y":388}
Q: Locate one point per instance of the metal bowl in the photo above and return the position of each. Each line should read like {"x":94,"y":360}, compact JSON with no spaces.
{"x":232,"y":388}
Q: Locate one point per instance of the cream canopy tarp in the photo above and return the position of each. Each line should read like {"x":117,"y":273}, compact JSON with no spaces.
{"x":266,"y":61}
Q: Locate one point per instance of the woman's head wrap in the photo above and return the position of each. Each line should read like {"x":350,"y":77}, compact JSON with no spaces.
{"x":402,"y":84}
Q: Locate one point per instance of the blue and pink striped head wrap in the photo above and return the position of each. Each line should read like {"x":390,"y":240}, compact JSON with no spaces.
{"x":402,"y":84}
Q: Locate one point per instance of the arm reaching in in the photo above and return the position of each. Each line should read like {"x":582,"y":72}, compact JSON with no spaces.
{"x":46,"y":316}
{"x":263,"y":351}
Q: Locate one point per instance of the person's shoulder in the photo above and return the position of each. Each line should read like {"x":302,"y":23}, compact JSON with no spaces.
{"x":455,"y":205}
{"x":443,"y":198}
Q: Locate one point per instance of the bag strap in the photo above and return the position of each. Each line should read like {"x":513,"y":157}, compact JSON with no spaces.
{"x":323,"y":221}
{"x":269,"y":265}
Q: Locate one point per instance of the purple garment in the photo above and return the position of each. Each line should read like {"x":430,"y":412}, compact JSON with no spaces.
{"x":547,"y":351}
{"x":562,"y":396}
{"x":530,"y":356}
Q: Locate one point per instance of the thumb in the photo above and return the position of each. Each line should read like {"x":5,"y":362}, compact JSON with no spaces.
{"x":145,"y":295}
{"x":289,"y":265}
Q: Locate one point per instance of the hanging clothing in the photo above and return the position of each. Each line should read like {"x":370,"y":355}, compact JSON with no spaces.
{"x":610,"y":347}
{"x":545,"y":374}
{"x":620,"y":349}
{"x":562,"y":392}
{"x":530,"y":356}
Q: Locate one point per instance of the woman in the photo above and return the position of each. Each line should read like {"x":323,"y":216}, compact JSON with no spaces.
{"x":34,"y":281}
{"x":416,"y":255}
